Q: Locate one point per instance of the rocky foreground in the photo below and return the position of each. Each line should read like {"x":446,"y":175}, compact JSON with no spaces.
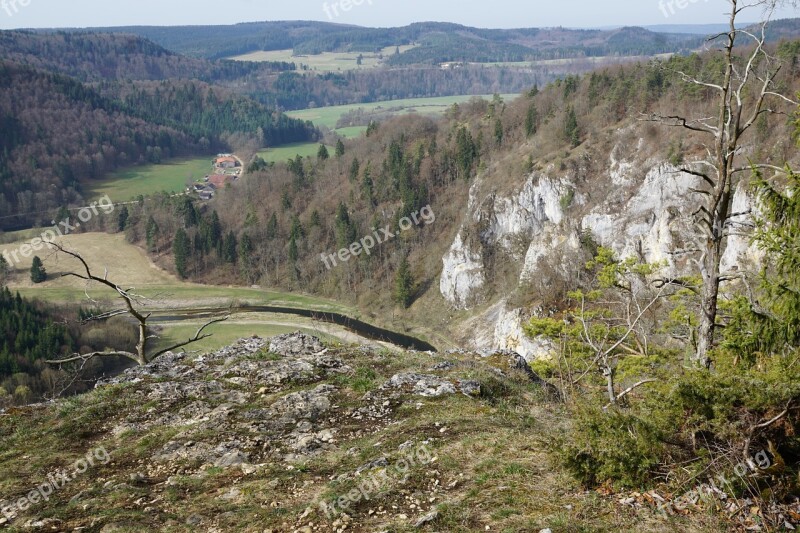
{"x":290,"y":435}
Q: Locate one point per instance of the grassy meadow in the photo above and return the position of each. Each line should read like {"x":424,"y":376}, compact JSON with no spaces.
{"x":129,"y":265}
{"x":171,"y":176}
{"x":281,"y":154}
{"x":163,"y":292}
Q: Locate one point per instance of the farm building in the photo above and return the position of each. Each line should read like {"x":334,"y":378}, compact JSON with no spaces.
{"x":226,"y":162}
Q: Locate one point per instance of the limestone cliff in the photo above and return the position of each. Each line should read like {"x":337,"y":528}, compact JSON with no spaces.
{"x":635,"y":204}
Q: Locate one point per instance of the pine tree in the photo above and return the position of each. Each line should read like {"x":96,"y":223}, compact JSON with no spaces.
{"x":770,"y":323}
{"x":293,"y":252}
{"x":498,"y":132}
{"x":355,"y":168}
{"x":151,"y":234}
{"x":38,"y":272}
{"x":246,"y":250}
{"x":571,"y":130}
{"x":316,"y":220}
{"x":215,"y":235}
{"x":530,"y":120}
{"x":339,"y":148}
{"x":323,"y":154}
{"x":345,"y":230}
{"x":229,"y":248}
{"x":403,"y":284}
{"x":180,"y":249}
{"x":4,"y":271}
{"x":272,"y":227}
{"x":466,"y":152}
{"x":122,"y":219}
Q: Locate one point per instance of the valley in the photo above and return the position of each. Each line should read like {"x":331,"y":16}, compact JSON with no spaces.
{"x":175,"y":304}
{"x":416,"y":277}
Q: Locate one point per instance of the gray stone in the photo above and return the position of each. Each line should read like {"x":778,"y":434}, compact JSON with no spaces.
{"x":469,"y":388}
{"x":430,"y":517}
{"x":295,"y":344}
{"x":233,"y":458}
{"x":420,"y":384}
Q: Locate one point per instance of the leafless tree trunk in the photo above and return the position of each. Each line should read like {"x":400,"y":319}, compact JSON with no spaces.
{"x":141,"y":356}
{"x":743,"y":96}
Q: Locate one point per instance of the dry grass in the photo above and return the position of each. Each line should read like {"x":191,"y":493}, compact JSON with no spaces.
{"x":103,"y":252}
{"x":492,"y":469}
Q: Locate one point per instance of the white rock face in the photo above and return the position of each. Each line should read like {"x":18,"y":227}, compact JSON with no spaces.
{"x":646,"y":225}
{"x":552,"y":247}
{"x":462,"y":274}
{"x":500,"y":328}
{"x":739,"y":249}
{"x":638,"y":207}
{"x":501,"y":221}
{"x":527,"y":213}
{"x":510,"y":335}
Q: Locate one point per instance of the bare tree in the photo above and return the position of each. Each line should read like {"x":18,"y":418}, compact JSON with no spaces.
{"x":744,"y":94}
{"x":130,"y":299}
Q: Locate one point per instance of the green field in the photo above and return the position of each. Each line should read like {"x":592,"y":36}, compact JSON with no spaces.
{"x":281,"y":154}
{"x":329,"y":116}
{"x":172,"y":176}
{"x":324,"y":62}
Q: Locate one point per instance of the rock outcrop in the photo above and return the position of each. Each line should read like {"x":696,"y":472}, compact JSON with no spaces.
{"x":633,"y":204}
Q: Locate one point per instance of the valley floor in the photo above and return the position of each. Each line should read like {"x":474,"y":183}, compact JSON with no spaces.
{"x":129,"y":265}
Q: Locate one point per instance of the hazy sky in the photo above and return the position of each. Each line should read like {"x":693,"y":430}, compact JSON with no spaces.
{"x":485,"y":13}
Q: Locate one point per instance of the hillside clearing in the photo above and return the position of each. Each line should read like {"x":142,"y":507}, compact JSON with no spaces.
{"x":326,"y":61}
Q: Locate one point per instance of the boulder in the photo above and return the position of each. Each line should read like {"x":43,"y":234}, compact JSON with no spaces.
{"x":296,"y":343}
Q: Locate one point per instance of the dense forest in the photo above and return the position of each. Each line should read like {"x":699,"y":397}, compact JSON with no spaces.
{"x":97,"y":56}
{"x":32,"y":332}
{"x":123,"y":59}
{"x":204,"y":111}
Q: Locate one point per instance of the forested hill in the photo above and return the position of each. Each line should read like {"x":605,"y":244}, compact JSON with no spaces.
{"x":96,"y":56}
{"x":58,"y":133}
{"x":439,"y":41}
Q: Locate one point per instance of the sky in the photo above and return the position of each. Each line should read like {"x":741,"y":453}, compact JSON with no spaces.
{"x":381,"y":13}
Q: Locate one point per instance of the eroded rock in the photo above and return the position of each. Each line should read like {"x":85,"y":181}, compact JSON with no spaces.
{"x":293,"y":344}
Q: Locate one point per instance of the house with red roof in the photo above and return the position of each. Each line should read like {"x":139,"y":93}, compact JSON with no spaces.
{"x":226,"y":162}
